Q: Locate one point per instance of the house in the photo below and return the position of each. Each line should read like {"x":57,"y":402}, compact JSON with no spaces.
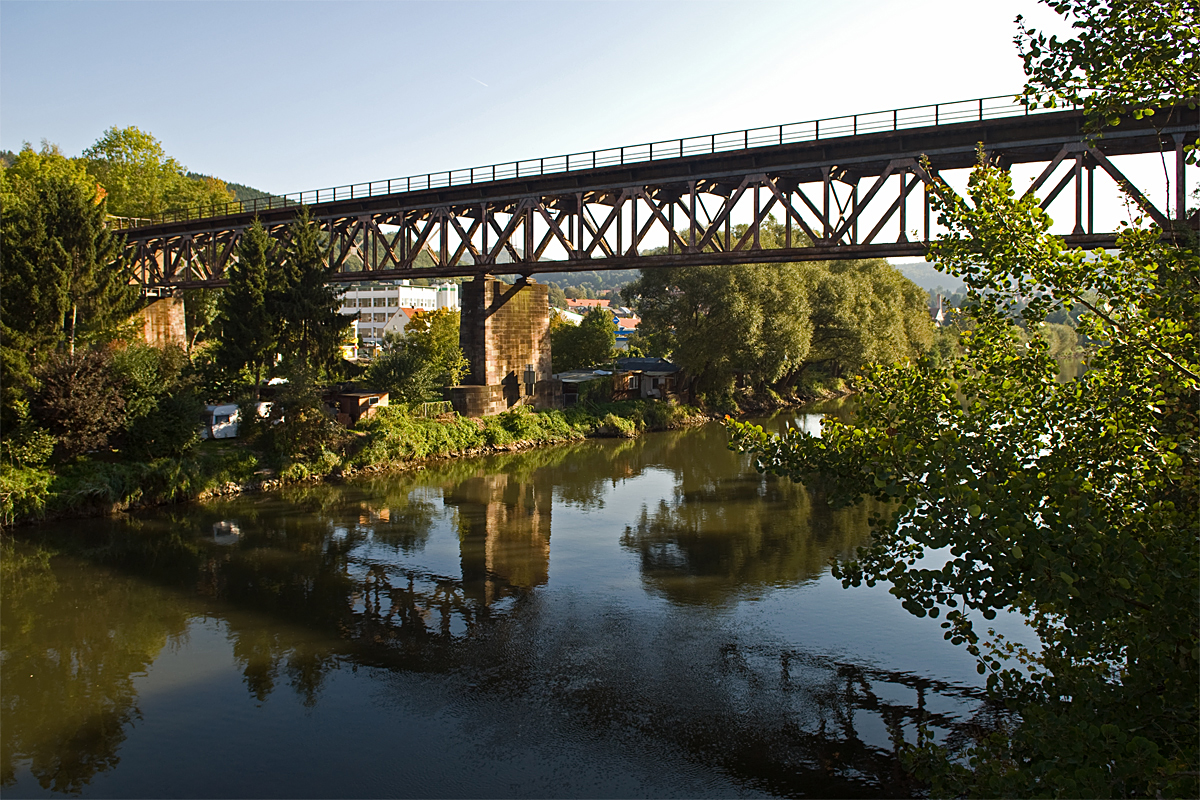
{"x":938,"y":313}
{"x":584,"y":306}
{"x":634,"y":379}
{"x":574,"y":383}
{"x":566,"y":316}
{"x":646,"y":378}
{"x":626,"y":327}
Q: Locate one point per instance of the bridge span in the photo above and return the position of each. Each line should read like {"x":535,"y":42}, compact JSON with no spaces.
{"x":851,"y":187}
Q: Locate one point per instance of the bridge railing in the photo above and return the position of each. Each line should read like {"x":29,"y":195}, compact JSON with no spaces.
{"x":813,"y":130}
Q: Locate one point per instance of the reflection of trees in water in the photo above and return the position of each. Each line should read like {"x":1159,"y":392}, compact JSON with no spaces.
{"x":73,"y":642}
{"x":306,"y":588}
{"x":729,"y":536}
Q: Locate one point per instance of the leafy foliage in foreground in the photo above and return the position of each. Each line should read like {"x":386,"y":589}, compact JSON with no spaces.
{"x":1072,"y":503}
{"x":1130,"y":57}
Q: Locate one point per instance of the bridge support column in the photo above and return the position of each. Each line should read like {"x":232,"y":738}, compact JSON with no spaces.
{"x":504,"y":330}
{"x":163,"y":322}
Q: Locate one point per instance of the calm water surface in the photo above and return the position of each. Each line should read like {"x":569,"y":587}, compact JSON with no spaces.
{"x":609,"y":619}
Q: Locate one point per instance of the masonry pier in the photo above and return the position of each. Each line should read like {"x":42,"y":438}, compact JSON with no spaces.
{"x":505,"y":334}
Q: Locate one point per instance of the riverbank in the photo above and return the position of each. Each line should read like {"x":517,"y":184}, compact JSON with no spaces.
{"x":102,"y":484}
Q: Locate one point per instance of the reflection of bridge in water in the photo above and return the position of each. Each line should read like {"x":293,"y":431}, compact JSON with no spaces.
{"x":818,"y":721}
{"x":447,"y":574}
{"x":843,"y":188}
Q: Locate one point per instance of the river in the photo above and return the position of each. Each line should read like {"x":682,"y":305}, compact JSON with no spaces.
{"x":615,"y":618}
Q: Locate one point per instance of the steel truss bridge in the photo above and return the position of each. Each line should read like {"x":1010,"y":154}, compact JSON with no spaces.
{"x":852,"y":187}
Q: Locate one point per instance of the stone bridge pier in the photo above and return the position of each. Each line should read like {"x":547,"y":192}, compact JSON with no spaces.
{"x":505,"y":334}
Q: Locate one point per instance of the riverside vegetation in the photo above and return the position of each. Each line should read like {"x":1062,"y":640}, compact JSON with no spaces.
{"x":310,"y":446}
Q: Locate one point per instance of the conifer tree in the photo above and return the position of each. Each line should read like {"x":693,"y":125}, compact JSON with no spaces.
{"x":308,"y":309}
{"x":248,"y":330}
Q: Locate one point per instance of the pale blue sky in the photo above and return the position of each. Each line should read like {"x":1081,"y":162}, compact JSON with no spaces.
{"x":286,"y":96}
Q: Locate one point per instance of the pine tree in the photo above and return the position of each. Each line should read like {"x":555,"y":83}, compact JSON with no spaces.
{"x":308,"y":308}
{"x":248,"y":329}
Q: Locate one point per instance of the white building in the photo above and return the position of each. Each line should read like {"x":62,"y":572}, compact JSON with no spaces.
{"x":379,"y":304}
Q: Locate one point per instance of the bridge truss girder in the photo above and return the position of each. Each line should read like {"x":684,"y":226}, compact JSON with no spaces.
{"x":872,"y":200}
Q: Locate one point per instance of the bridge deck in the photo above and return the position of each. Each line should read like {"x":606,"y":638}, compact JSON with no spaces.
{"x":565,"y":218}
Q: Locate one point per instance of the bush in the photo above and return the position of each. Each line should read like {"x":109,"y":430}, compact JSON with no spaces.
{"x":24,"y":492}
{"x":86,"y":483}
{"x":171,"y":428}
{"x":26,"y":445}
{"x":393,"y":435}
{"x":661,"y":416}
{"x":596,"y":391}
{"x":612,"y":425}
{"x":79,"y":400}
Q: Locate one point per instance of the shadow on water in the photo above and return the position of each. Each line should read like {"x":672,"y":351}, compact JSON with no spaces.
{"x":318,"y":578}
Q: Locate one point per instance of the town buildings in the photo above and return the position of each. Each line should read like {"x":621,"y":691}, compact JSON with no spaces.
{"x":387,"y":306}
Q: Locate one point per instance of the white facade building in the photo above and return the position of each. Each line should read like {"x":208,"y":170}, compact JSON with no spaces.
{"x":378,"y":305}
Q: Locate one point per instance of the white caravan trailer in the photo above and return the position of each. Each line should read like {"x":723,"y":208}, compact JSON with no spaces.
{"x":220,"y":421}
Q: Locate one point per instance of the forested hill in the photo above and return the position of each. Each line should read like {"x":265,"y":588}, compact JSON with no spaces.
{"x":239,"y":191}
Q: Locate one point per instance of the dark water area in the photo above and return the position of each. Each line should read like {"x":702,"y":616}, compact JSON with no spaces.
{"x":617,"y":618}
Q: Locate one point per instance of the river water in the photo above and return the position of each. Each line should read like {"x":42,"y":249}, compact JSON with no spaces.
{"x":616,"y":618}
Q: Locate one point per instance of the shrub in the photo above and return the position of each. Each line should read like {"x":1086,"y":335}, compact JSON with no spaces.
{"x":612,"y":425}
{"x":170,"y":429}
{"x":24,"y":492}
{"x":26,"y":445}
{"x":667,"y":415}
{"x":79,"y":400}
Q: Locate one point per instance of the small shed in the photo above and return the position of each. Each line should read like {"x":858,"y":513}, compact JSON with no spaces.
{"x":572,"y":380}
{"x":350,"y":407}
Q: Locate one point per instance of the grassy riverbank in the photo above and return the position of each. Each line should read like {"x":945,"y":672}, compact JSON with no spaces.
{"x":309,"y":449}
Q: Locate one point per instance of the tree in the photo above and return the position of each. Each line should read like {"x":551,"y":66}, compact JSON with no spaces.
{"x":864,"y":311}
{"x":763,"y":324}
{"x":200,"y":310}
{"x":585,"y":345}
{"x":62,"y":278}
{"x":417,"y":366}
{"x":435,"y":335}
{"x":142,"y":180}
{"x":1130,"y":57}
{"x":558,"y":298}
{"x":248,"y":329}
{"x":1073,"y":503}
{"x":160,"y":407}
{"x":307,"y":308}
